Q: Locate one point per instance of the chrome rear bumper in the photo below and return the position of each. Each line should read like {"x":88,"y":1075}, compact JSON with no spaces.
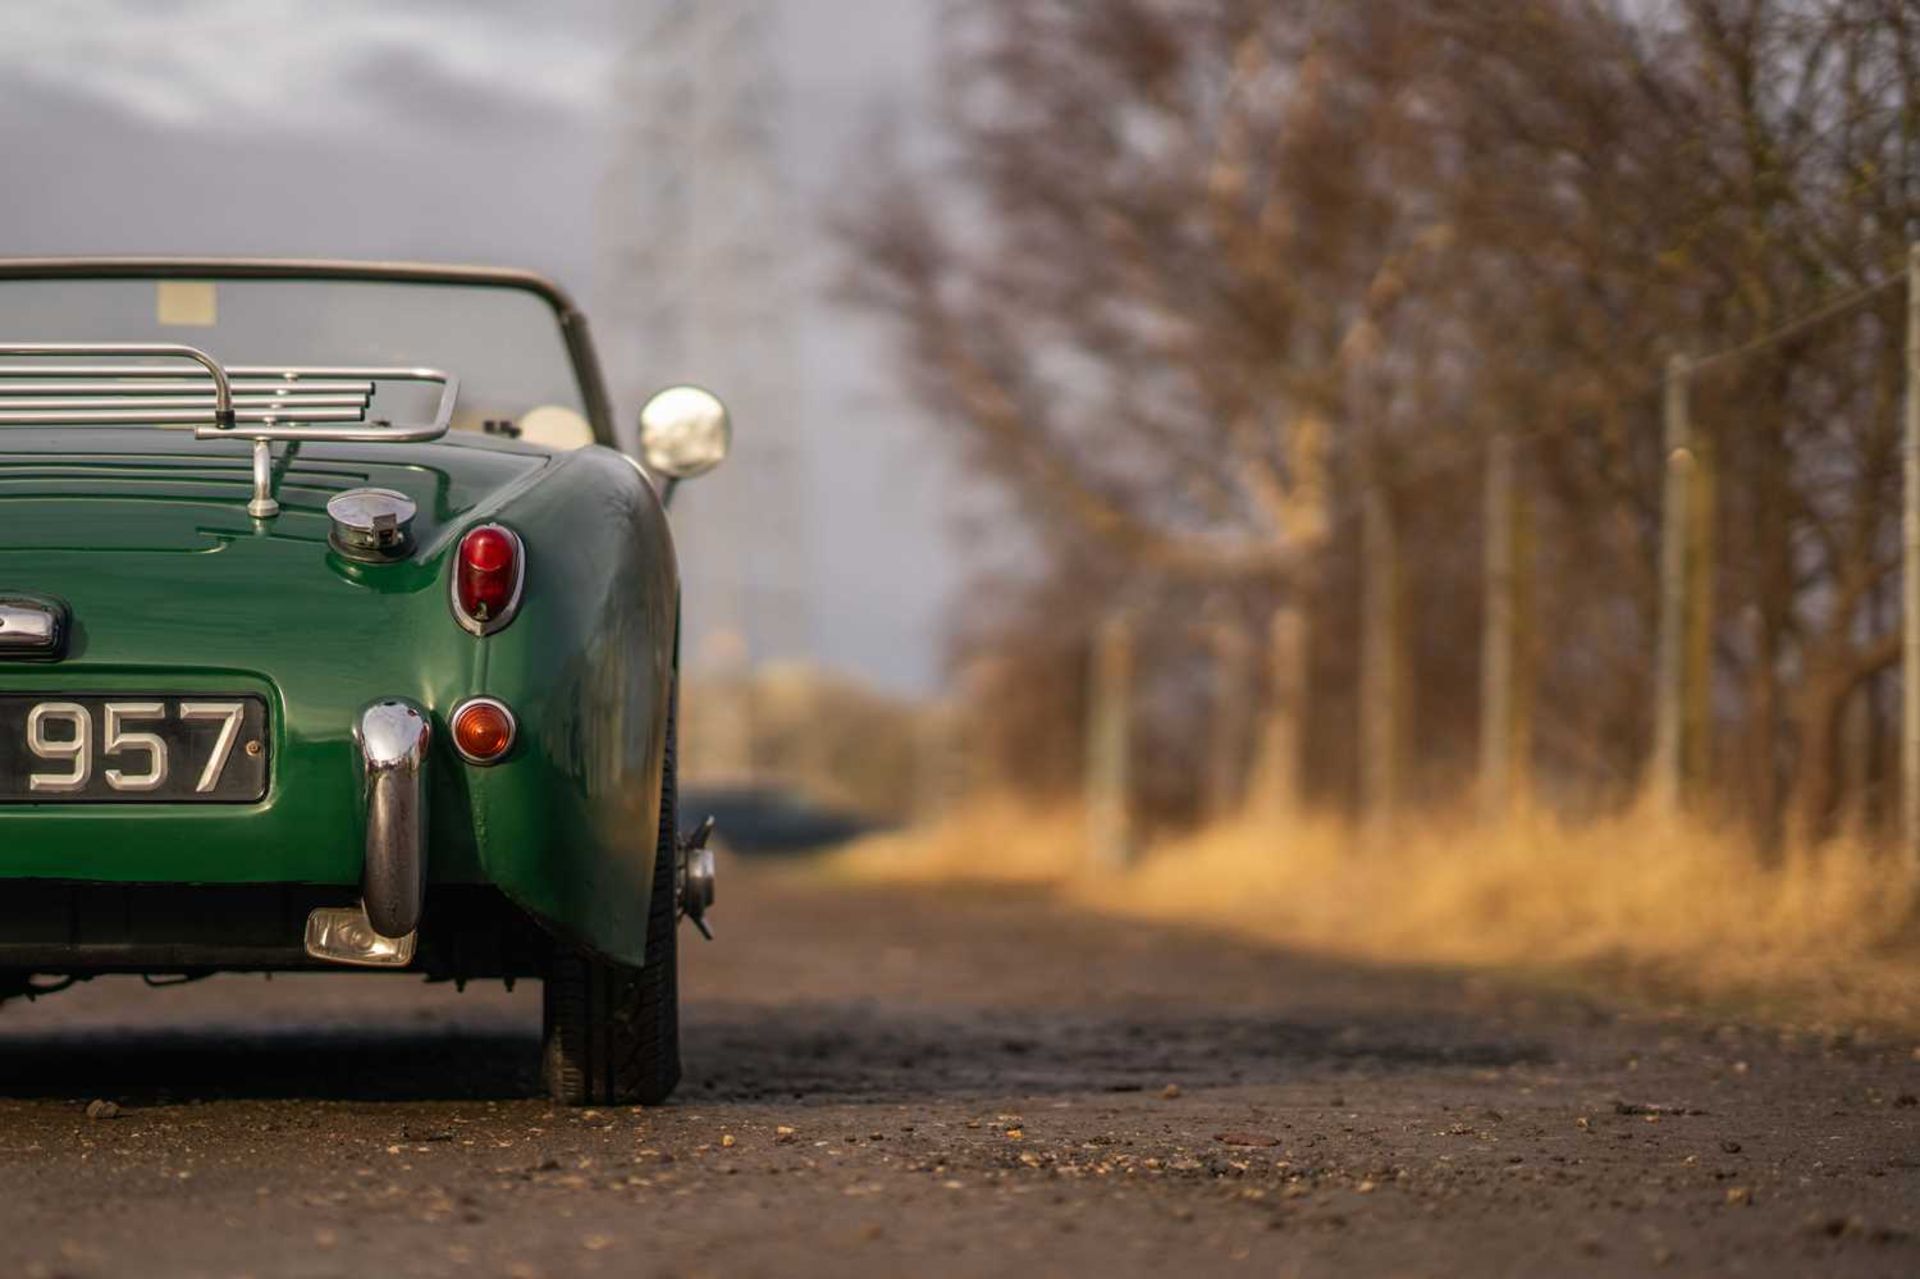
{"x":393,"y":737}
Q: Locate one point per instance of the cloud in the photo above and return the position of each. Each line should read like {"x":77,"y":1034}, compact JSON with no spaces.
{"x":282,"y":65}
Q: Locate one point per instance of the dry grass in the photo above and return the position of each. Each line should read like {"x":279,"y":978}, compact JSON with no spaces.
{"x":994,"y":841}
{"x":1675,"y":909}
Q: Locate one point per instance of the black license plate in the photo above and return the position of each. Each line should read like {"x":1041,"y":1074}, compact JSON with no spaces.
{"x":125,"y":748}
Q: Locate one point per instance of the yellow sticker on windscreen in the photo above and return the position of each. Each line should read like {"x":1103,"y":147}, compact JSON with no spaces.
{"x":187,"y":303}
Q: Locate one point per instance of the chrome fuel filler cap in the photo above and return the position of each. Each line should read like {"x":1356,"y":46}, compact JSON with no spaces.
{"x":371,"y":524}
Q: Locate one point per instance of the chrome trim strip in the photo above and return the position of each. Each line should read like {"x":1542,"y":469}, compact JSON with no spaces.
{"x":106,"y":379}
{"x":473,"y":625}
{"x":286,"y":402}
{"x":222,"y":389}
{"x":393,"y":736}
{"x":513,"y":730}
{"x":371,"y":432}
{"x":187,"y":416}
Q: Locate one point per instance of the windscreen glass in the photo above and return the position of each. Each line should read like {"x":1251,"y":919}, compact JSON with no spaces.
{"x":504,"y":344}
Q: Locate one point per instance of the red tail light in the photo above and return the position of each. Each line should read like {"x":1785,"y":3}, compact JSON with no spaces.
{"x":487,"y":577}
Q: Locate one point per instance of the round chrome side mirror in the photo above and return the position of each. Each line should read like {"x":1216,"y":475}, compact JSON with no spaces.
{"x":684,"y":432}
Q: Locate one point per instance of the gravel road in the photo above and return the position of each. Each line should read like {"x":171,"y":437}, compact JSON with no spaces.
{"x":950,"y":1083}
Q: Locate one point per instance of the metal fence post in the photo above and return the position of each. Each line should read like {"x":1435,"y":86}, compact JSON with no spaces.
{"x":1670,"y":659}
{"x":1696,"y":709}
{"x":1910,"y":584}
{"x":1109,"y":780}
{"x":1497,"y":635}
{"x":1526,"y":641}
{"x":1382,"y":684}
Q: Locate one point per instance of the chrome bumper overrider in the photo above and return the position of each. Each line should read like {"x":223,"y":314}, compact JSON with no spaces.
{"x":693,"y":877}
{"x":343,"y":935}
{"x":392,"y":736}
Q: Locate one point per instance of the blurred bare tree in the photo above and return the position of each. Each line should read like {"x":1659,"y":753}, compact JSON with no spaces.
{"x":1698,"y":180}
{"x":1197,"y":276}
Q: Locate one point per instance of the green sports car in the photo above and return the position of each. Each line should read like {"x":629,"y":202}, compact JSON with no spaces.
{"x":336,"y":631}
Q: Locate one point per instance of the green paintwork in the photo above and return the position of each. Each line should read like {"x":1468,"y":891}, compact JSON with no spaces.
{"x":174,"y":588}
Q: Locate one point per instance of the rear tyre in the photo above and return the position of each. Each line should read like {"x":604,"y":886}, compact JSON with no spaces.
{"x":612,"y":1032}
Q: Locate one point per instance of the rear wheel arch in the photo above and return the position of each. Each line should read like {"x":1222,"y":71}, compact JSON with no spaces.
{"x":611,"y":1032}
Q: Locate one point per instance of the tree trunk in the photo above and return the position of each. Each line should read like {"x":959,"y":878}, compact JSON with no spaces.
{"x":1816,"y":774}
{"x":1767,"y":466}
{"x":1763,"y":736}
{"x":1224,"y":786}
{"x":1278,"y":781}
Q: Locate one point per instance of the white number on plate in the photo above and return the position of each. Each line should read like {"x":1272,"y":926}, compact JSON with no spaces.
{"x":73,"y":746}
{"x":119,"y":741}
{"x":229,"y":714}
{"x":76,"y":747}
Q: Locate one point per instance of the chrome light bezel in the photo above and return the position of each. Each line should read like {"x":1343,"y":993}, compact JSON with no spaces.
{"x":513,"y":729}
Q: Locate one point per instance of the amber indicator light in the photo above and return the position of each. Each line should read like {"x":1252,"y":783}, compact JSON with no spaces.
{"x":482,"y":731}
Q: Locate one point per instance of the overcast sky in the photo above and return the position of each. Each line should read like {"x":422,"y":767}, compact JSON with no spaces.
{"x":478,"y":130}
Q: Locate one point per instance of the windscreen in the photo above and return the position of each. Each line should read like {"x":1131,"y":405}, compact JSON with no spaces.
{"x":504,"y":344}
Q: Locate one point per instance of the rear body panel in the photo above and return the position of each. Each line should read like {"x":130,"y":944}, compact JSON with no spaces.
{"x":145,"y":534}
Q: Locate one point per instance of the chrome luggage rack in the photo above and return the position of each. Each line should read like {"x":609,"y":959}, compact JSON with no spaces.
{"x":261,"y":403}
